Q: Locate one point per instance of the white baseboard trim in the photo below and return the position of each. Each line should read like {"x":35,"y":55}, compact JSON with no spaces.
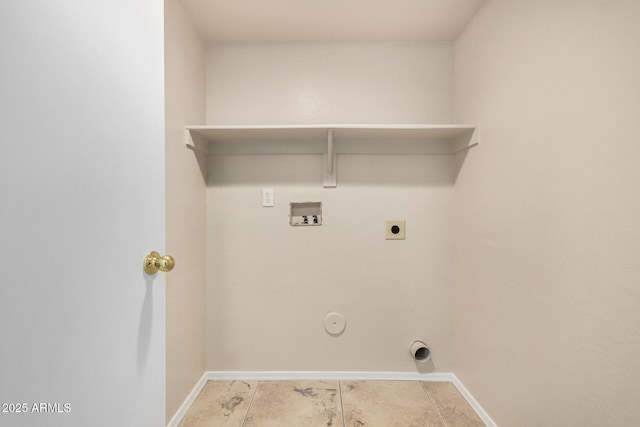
{"x":472,"y":402}
{"x":191,"y":397}
{"x":322,"y":375}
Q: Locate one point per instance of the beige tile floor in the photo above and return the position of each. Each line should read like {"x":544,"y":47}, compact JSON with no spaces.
{"x":330,"y":404}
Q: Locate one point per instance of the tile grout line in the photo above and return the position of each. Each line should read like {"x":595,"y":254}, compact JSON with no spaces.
{"x":253,"y":395}
{"x":444,"y":423}
{"x":344,"y":423}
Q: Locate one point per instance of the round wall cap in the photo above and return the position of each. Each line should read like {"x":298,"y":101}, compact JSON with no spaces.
{"x":334,"y":323}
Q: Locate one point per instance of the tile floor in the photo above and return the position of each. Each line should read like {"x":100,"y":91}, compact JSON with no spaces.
{"x":330,"y":404}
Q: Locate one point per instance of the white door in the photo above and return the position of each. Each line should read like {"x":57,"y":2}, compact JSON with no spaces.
{"x":81,"y":202}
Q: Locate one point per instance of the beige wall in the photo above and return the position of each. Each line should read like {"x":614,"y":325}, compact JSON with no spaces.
{"x":185,"y":104}
{"x":270,"y":285}
{"x":329,"y":83}
{"x":547,"y":239}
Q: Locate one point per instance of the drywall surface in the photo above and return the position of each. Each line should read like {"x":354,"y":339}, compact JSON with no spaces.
{"x":185,"y":104}
{"x":548,"y":214}
{"x":329,"y":83}
{"x":270,"y":285}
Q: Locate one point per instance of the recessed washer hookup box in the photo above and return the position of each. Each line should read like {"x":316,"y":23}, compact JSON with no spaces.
{"x":305,"y":213}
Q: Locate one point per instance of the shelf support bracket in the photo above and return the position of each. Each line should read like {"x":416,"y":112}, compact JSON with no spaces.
{"x":330,"y":162}
{"x":190,"y":142}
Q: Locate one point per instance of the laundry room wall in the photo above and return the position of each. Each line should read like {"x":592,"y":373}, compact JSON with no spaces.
{"x":270,"y":285}
{"x":186,"y":210}
{"x":547,"y":213}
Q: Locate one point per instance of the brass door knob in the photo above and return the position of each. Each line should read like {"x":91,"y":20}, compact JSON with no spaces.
{"x":154,"y":262}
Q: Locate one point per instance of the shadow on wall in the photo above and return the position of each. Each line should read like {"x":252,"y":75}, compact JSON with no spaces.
{"x":461,"y":147}
{"x":200,"y":154}
{"x":397,"y":170}
{"x":359,"y":163}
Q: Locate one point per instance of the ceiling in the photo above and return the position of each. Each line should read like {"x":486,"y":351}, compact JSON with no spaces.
{"x":330,"y":20}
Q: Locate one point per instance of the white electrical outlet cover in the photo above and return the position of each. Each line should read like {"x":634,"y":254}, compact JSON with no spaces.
{"x":267,"y":197}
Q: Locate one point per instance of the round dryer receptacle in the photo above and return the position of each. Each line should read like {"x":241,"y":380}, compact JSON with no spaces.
{"x":334,"y":323}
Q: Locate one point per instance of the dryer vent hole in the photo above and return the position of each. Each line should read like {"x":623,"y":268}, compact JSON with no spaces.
{"x":422,"y":353}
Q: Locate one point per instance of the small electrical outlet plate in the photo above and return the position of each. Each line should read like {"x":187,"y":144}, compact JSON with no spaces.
{"x":267,"y":197}
{"x":394,"y":229}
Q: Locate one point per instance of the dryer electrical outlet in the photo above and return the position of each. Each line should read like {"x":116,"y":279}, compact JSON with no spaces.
{"x":394,"y":229}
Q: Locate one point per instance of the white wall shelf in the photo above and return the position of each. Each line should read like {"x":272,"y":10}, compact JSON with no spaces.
{"x":457,"y":138}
